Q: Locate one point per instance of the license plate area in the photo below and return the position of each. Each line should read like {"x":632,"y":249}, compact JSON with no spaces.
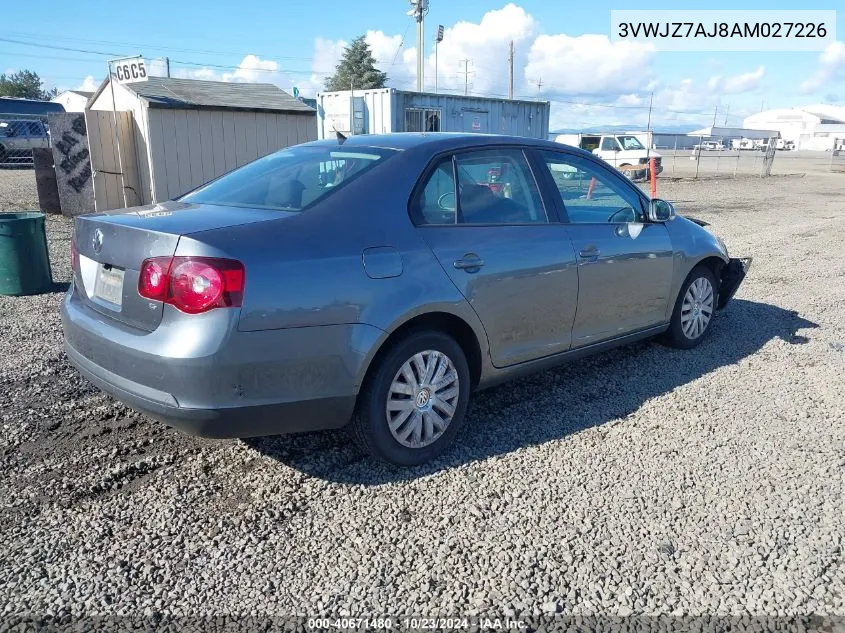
{"x":109,"y":285}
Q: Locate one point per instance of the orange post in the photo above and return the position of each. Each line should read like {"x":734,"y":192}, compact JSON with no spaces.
{"x":652,"y":170}
{"x":590,"y":190}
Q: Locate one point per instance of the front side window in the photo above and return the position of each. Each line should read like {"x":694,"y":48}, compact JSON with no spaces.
{"x":589,"y":194}
{"x":35,"y":129}
{"x":289,"y":180}
{"x":630,"y":142}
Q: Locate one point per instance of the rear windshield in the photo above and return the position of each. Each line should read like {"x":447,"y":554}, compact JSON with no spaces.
{"x":289,"y":180}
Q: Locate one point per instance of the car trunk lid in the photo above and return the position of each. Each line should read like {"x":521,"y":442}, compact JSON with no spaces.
{"x":111,"y":247}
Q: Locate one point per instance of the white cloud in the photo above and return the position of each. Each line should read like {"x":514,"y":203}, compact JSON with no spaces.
{"x":831,"y":67}
{"x":252,"y":69}
{"x":589,"y":64}
{"x":89,"y":84}
{"x":588,"y":78}
{"x":737,"y":84}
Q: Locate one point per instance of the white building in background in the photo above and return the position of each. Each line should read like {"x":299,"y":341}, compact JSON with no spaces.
{"x":73,"y":100}
{"x":815,"y":127}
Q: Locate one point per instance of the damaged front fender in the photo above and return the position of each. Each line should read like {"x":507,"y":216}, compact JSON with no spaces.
{"x":732,"y":275}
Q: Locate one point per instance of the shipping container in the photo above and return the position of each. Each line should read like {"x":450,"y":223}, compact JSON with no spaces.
{"x":387,"y":110}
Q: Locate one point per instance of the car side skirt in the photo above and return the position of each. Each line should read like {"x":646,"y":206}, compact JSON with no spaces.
{"x":499,"y":376}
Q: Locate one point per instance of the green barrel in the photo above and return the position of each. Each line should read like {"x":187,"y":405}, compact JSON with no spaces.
{"x":24,"y":261}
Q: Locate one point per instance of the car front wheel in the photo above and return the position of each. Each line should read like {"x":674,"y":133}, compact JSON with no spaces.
{"x":694,"y":309}
{"x":414,"y":401}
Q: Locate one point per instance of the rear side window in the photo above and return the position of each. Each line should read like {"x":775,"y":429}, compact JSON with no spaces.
{"x":608,"y":144}
{"x":493,"y":187}
{"x":289,"y":180}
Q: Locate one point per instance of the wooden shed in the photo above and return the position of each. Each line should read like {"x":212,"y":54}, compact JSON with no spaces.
{"x":176,"y":134}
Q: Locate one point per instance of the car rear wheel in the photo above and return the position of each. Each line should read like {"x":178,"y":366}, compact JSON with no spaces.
{"x":414,"y":401}
{"x":694,"y":309}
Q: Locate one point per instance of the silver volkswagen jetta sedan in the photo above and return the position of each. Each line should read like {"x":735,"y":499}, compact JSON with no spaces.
{"x":375,"y":282}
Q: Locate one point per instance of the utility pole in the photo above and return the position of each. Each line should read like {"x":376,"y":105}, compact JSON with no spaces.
{"x":539,"y":87}
{"x":465,"y":72}
{"x":167,"y":64}
{"x":510,"y":72}
{"x":418,"y":11}
{"x":728,"y":109}
{"x":437,"y":41}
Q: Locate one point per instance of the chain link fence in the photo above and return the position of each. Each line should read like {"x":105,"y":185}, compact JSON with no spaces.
{"x":19,"y":135}
{"x":712,"y":157}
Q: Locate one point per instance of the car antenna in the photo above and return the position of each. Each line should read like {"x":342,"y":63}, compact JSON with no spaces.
{"x":340,"y":137}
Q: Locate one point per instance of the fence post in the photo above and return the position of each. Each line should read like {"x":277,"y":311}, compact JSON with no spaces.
{"x":697,"y":158}
{"x":674,"y":156}
{"x":718,"y":158}
{"x":738,"y":155}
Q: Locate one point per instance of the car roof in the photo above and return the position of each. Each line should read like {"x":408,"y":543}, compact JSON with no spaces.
{"x":435,"y":141}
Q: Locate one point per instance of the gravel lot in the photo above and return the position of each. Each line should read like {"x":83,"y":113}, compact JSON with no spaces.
{"x":645,"y":480}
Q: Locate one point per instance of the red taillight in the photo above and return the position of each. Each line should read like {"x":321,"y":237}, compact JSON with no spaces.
{"x":153,"y":280}
{"x":192,"y":284}
{"x":74,"y":254}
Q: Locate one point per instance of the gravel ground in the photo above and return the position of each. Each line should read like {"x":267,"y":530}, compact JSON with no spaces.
{"x":644,"y":481}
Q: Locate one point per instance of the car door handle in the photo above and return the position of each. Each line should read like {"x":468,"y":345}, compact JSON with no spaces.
{"x":470,"y":263}
{"x":590,"y":253}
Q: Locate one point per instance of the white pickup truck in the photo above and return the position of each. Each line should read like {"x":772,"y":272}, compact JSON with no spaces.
{"x":623,"y":151}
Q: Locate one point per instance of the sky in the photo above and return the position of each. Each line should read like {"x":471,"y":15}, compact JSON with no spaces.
{"x":563,"y":53}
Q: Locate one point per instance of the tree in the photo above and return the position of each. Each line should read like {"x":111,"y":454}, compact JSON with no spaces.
{"x":357,"y":69}
{"x":25,"y":84}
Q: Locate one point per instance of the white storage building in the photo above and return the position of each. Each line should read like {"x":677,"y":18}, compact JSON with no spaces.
{"x":814,"y":127}
{"x":177,"y":134}
{"x":73,"y":100}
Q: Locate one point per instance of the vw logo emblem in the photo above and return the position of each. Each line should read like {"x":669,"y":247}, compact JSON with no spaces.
{"x":423,"y":397}
{"x":97,"y":241}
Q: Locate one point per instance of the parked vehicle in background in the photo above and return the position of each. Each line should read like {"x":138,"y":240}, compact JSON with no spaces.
{"x":709,"y":146}
{"x":623,"y":151}
{"x":18,"y":137}
{"x":784,"y":145}
{"x":744,"y":144}
{"x":375,"y":282}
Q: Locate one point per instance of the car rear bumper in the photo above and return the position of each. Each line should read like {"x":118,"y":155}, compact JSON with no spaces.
{"x":243,"y":421}
{"x":733,"y":274}
{"x":234,"y":384}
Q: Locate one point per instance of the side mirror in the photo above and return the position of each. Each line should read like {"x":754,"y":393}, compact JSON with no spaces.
{"x":660,"y":211}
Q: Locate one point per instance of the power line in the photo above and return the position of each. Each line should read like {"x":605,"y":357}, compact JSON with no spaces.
{"x":465,"y":73}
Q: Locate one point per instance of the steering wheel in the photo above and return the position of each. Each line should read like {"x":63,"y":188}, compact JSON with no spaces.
{"x":443,"y":201}
{"x":625,"y":214}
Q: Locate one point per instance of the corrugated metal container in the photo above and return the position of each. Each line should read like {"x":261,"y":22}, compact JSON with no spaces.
{"x":388,"y":110}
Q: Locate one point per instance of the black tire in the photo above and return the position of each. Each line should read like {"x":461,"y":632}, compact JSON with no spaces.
{"x":675,"y":335}
{"x":369,"y":427}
